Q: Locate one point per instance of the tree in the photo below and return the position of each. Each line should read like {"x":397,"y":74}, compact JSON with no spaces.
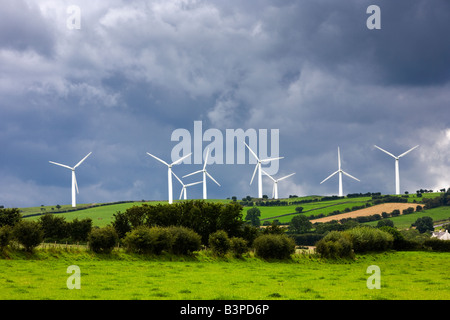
{"x":299,"y":209}
{"x":9,"y":217}
{"x":300,"y":224}
{"x":252,"y":216}
{"x":29,"y":234}
{"x":424,"y":224}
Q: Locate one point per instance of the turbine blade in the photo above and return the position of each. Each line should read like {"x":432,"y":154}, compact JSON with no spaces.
{"x":206,"y":159}
{"x":82,"y":160}
{"x":181,"y":193}
{"x":348,"y":175}
{"x":285,"y":177}
{"x":190,"y":174}
{"x":407,"y":151}
{"x":76,"y":184}
{"x":271,"y":159}
{"x":178,"y":178}
{"x":212,"y":178}
{"x":62,"y":165}
{"x":158,"y":159}
{"x":329,"y":176}
{"x":386,"y":152}
{"x":254,"y":154}
{"x":181,"y":159}
{"x":339,"y":159}
{"x":193,"y":183}
{"x":254,"y":172}
{"x":268,"y":175}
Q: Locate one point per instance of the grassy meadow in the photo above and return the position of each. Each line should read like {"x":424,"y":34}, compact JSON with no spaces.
{"x":404,"y":275}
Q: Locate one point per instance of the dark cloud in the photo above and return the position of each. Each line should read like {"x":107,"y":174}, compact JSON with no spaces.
{"x":138,"y":70}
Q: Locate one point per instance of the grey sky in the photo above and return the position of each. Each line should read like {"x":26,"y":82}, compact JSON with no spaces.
{"x":138,"y":70}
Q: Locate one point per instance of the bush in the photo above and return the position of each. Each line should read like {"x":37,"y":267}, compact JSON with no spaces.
{"x":79,"y":230}
{"x":148,"y":240}
{"x":335,"y":245}
{"x":29,"y":234}
{"x":103,"y":239}
{"x":219,"y":243}
{"x":437,"y":244}
{"x":5,"y":236}
{"x":274,"y":246}
{"x":238,"y":246}
{"x":55,"y":228}
{"x":184,"y":240}
{"x":366,"y":239}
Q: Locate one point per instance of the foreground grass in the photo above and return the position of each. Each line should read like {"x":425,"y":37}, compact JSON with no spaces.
{"x":42,"y":275}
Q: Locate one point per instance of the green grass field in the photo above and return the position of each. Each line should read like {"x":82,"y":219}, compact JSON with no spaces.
{"x":102,"y":216}
{"x":404,"y":275}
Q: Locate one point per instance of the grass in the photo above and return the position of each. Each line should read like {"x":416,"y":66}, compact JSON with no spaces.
{"x":405,"y":221}
{"x":102,"y":216}
{"x":404,"y":275}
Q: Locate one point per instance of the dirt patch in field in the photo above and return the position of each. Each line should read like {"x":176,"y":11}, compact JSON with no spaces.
{"x":378,"y":209}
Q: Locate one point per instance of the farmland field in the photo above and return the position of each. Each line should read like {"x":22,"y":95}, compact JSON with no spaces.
{"x":404,"y":275}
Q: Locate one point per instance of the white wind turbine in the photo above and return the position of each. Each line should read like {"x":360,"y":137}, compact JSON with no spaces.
{"x":183,"y":190}
{"x":258,"y":168}
{"x":205,"y":173}
{"x":169,"y":172}
{"x":397,"y":174}
{"x":74,"y":178}
{"x":275,"y":183}
{"x":340,"y":171}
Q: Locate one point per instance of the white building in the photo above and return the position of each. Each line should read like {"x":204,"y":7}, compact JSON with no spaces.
{"x":441,"y":235}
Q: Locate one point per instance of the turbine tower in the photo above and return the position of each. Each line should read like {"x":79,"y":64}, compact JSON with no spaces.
{"x":169,"y":173}
{"x":205,"y":173}
{"x":74,"y":178}
{"x":340,"y":171}
{"x":258,"y":168}
{"x":275,"y":183}
{"x":183,"y":190}
{"x":397,"y":174}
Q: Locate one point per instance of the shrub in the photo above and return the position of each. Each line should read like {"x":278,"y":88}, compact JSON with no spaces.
{"x":274,"y":246}
{"x":149,"y":240}
{"x":9,"y":217}
{"x":334,"y":245}
{"x":366,"y":239}
{"x":103,"y":239}
{"x":55,"y":228}
{"x":184,"y":240}
{"x":238,"y":246}
{"x":219,"y":243}
{"x":437,"y":244}
{"x":5,"y":236}
{"x":29,"y":234}
{"x":79,"y":230}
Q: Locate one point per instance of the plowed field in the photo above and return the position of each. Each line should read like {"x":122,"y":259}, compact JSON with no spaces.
{"x":378,"y":209}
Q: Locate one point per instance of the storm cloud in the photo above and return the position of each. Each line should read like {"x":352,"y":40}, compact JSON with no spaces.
{"x":137,"y":70}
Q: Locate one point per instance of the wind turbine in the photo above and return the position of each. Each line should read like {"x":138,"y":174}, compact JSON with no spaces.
{"x":275,"y":183}
{"x":74,"y":178}
{"x":258,"y":168}
{"x":183,"y":190}
{"x":340,"y":171}
{"x":397,"y":174}
{"x":205,"y":173}
{"x":169,"y":172}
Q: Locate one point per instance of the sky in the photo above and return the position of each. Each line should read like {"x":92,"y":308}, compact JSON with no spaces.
{"x":117,"y":78}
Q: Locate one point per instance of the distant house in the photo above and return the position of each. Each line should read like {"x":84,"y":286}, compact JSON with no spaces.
{"x":441,"y":235}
